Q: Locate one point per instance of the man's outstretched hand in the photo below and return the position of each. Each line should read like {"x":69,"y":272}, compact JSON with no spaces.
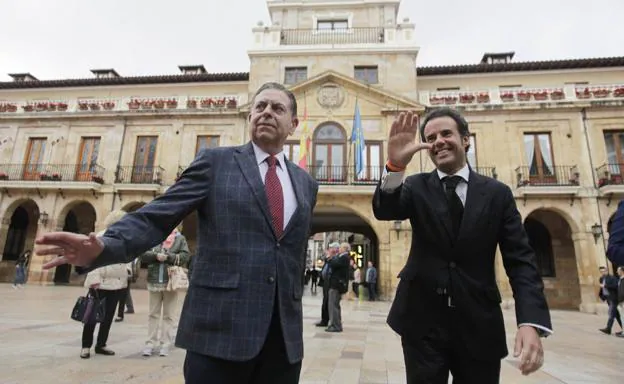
{"x":402,"y":143}
{"x":72,"y":248}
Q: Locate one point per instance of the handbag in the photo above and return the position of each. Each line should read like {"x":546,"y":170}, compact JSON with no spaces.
{"x":178,"y":278}
{"x":89,"y":309}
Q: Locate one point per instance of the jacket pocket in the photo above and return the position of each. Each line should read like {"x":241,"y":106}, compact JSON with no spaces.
{"x":213,"y":279}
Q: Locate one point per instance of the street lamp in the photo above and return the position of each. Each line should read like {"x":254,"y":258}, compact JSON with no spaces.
{"x":596,"y":231}
{"x":43,"y":218}
{"x":396,"y":225}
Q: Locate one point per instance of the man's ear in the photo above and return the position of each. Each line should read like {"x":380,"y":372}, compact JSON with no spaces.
{"x":295,"y":124}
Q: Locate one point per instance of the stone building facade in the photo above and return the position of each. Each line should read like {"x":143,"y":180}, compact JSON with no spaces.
{"x":73,"y":150}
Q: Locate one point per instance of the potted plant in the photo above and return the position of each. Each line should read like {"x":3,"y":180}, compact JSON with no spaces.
{"x":436,"y":100}
{"x":523,"y":96}
{"x":28,"y":107}
{"x":583,"y":93}
{"x":450,"y":99}
{"x":232,"y":103}
{"x":108,"y":105}
{"x":56,"y":177}
{"x":601,"y":93}
{"x":172,"y":103}
{"x":507,"y":96}
{"x":97,"y":179}
{"x":94,"y":106}
{"x":4,"y":176}
{"x":618,"y":92}
{"x":82,"y":106}
{"x":44,"y":176}
{"x":466,"y":98}
{"x":191,"y":104}
{"x":483,"y":97}
{"x":147,"y":104}
{"x":540,"y":95}
{"x":134,"y":104}
{"x":557,"y":94}
{"x":61,"y":107}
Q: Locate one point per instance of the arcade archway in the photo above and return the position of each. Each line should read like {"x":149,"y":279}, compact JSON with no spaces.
{"x":18,"y":232}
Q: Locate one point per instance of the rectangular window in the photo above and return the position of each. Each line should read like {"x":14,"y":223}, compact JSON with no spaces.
{"x":144,"y":159}
{"x":206,"y":141}
{"x":373,"y":161}
{"x":447,"y":89}
{"x":33,"y":163}
{"x":326,"y":25}
{"x":539,"y":158}
{"x":614,"y":143}
{"x":366,"y":74}
{"x":291,"y":151}
{"x":87,"y":158}
{"x":294,"y":75}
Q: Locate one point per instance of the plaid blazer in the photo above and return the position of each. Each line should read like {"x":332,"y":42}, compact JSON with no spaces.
{"x":240,"y":265}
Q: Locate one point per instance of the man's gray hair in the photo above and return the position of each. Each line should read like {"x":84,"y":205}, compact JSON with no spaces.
{"x":334,"y":244}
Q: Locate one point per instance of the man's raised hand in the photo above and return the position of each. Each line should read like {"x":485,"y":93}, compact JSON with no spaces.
{"x":72,"y":248}
{"x":402,"y":144}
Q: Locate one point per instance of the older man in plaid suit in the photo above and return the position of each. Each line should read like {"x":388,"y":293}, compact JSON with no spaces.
{"x":242,"y":316}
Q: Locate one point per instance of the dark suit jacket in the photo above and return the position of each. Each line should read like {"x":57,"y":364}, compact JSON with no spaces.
{"x":240,"y":264}
{"x":339,"y":267}
{"x":465,"y":264}
{"x":615,"y":250}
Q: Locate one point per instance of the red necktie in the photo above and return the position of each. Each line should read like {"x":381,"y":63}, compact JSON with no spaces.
{"x":275,"y":196}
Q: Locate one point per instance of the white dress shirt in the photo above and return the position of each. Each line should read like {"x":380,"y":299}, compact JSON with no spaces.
{"x":390,"y":181}
{"x":290,"y":200}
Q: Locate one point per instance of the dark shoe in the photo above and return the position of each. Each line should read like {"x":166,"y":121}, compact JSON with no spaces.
{"x":118,"y":319}
{"x":619,"y":334}
{"x":333,"y":329}
{"x":605,"y":331}
{"x":104,"y":351}
{"x":85,"y":353}
{"x":321,"y":324}
{"x":130,"y":311}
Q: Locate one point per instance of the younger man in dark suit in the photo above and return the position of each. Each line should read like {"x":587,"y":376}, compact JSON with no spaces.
{"x":447,"y":307}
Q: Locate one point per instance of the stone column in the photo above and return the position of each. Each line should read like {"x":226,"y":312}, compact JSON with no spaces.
{"x":503,"y":282}
{"x":587,"y":260}
{"x":36,"y":273}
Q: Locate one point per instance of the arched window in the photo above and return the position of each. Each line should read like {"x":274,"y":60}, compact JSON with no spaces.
{"x":330,"y":147}
{"x":541,"y":242}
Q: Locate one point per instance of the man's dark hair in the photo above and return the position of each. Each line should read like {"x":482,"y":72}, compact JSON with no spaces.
{"x":279,"y":87}
{"x":462,"y":124}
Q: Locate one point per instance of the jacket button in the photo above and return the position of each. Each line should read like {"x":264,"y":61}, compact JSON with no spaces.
{"x":270,"y":279}
{"x":452,"y":264}
{"x":277,"y":245}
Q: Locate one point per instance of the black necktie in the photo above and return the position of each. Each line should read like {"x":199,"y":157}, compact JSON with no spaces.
{"x":456,"y":208}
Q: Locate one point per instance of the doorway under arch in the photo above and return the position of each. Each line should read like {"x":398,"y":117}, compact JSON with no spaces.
{"x":20,"y":232}
{"x":550,"y":235}
{"x":80,"y":218}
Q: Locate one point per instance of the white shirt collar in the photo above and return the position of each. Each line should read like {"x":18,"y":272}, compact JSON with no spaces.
{"x":262,"y":155}
{"x":464,"y":173}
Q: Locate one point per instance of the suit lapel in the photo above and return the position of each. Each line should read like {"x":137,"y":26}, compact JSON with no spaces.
{"x":293,"y":172}
{"x":246,"y":160}
{"x":439,"y":204}
{"x":476,"y":201}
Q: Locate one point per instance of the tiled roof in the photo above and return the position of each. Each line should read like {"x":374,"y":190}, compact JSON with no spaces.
{"x":604,"y":62}
{"x":137,"y":80}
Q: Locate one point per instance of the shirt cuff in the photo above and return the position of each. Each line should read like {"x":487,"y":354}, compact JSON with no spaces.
{"x":541,"y":330}
{"x":390,"y":181}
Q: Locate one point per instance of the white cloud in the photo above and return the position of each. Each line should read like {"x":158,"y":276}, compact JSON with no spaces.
{"x":66,"y":38}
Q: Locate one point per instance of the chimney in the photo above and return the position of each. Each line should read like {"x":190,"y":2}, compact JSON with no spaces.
{"x":497,"y":58}
{"x":23,"y":77}
{"x":105,"y":73}
{"x":192,"y":69}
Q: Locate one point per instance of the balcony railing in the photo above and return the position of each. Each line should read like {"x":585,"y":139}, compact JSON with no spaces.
{"x":610,"y":174}
{"x":121,"y":104}
{"x":139,"y":174}
{"x":345,"y":175}
{"x":52,"y":172}
{"x":559,"y":175}
{"x":333,"y":36}
{"x":524,"y":96}
{"x":486,"y":171}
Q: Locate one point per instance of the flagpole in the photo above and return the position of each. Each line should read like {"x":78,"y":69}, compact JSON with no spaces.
{"x":349,"y":164}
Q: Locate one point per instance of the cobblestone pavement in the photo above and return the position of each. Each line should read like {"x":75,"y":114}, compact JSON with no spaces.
{"x":40,"y":344}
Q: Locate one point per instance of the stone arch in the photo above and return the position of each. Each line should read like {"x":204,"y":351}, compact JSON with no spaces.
{"x":550,"y":235}
{"x":133,"y":206}
{"x":572,"y":223}
{"x":345,"y":222}
{"x":20,"y":223}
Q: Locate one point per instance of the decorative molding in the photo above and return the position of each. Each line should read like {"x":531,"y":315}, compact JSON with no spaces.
{"x":330,"y":95}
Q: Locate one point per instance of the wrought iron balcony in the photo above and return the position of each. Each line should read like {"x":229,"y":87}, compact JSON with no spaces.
{"x":610,"y":174}
{"x":369,"y":35}
{"x":559,"y":175}
{"x":486,"y":171}
{"x":52,"y":172}
{"x":345,"y":175}
{"x":139,"y":174}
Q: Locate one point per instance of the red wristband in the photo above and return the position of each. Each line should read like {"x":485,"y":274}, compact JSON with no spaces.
{"x":393,"y":168}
